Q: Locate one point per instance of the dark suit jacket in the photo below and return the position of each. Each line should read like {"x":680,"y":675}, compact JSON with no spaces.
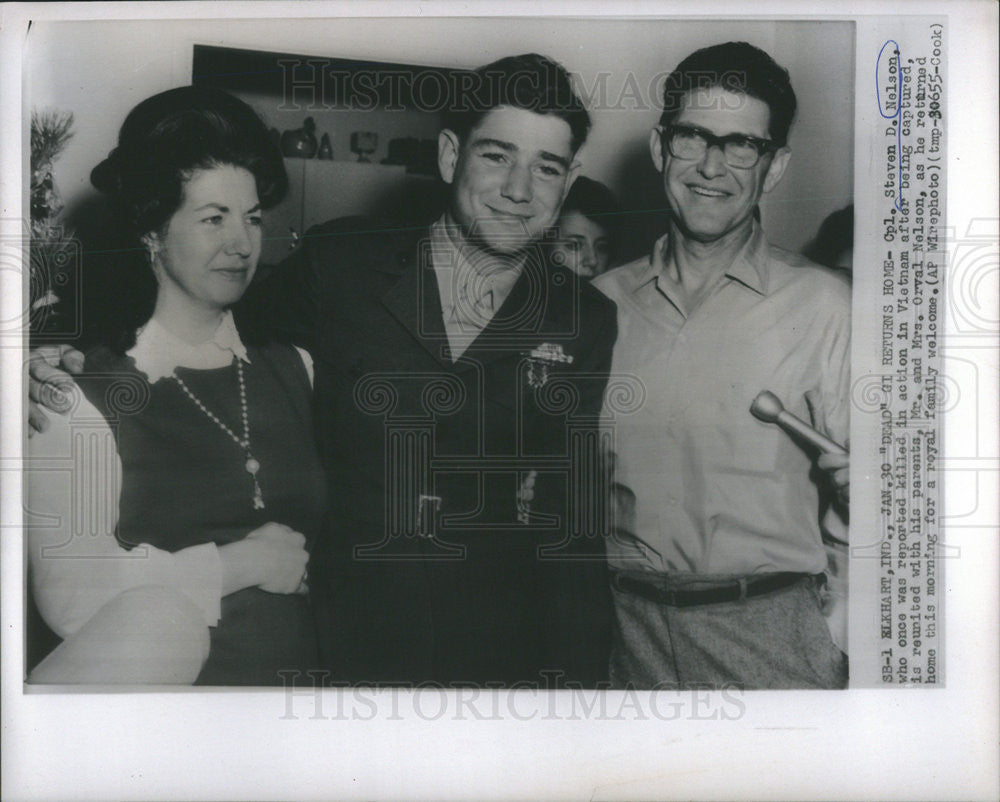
{"x":431,"y":571}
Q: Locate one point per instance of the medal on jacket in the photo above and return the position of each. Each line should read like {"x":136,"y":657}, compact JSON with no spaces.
{"x":541,"y":359}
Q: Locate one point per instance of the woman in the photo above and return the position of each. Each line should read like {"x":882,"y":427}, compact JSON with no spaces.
{"x":220,"y":487}
{"x":587,"y":228}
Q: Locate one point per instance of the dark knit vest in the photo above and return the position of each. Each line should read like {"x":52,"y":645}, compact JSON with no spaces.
{"x":184,"y":484}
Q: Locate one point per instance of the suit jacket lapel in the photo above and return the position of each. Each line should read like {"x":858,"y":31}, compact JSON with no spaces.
{"x":414,"y":299}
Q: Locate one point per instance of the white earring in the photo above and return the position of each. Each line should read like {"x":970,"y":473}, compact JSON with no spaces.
{"x":152,"y":256}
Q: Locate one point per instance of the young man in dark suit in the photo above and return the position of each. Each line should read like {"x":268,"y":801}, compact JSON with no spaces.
{"x":459,"y":376}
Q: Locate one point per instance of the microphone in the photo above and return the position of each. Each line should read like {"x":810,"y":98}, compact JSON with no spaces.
{"x":768,"y":408}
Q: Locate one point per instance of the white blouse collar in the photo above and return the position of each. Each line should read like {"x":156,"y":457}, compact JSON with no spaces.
{"x":157,"y":351}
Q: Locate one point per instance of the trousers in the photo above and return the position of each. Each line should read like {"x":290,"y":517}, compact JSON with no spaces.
{"x":778,"y":640}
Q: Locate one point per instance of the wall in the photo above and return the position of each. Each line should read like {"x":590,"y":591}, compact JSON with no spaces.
{"x":340,"y":123}
{"x":99,"y":70}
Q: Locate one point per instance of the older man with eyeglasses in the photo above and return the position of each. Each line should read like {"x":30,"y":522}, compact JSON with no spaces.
{"x":716,"y":553}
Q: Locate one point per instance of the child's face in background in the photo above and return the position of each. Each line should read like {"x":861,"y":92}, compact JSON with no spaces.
{"x":583,"y":245}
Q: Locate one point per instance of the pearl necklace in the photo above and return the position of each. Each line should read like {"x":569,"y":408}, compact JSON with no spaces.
{"x":251,"y":466}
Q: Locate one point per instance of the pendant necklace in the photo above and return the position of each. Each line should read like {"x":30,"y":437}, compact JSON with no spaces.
{"x":251,"y":466}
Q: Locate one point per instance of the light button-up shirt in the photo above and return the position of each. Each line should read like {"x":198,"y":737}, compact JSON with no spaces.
{"x":699,"y":484}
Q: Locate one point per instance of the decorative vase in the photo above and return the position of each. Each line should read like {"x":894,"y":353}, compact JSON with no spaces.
{"x":325,"y":150}
{"x":300,"y":143}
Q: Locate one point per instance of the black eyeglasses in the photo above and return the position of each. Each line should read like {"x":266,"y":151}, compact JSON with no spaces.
{"x":690,"y":143}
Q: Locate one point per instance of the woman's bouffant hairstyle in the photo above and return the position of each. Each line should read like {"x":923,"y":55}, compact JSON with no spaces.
{"x":168,"y":136}
{"x":162,"y":142}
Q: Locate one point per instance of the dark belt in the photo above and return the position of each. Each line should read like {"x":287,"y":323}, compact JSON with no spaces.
{"x":734,"y":591}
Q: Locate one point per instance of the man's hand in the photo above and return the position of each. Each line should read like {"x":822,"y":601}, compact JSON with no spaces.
{"x":48,"y":386}
{"x":837,"y":468}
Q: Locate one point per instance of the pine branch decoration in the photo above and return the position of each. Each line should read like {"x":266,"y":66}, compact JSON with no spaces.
{"x":50,"y":133}
{"x":51,"y":246}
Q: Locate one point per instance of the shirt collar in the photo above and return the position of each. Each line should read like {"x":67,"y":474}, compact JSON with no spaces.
{"x":157,"y":351}
{"x":750,"y":267}
{"x":445,"y":253}
{"x":444,"y":242}
{"x":654,"y":265}
{"x":453,"y":266}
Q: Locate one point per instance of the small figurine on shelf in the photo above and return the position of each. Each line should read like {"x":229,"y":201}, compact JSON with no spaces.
{"x":300,"y":142}
{"x":325,"y":149}
{"x":364,"y":143}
